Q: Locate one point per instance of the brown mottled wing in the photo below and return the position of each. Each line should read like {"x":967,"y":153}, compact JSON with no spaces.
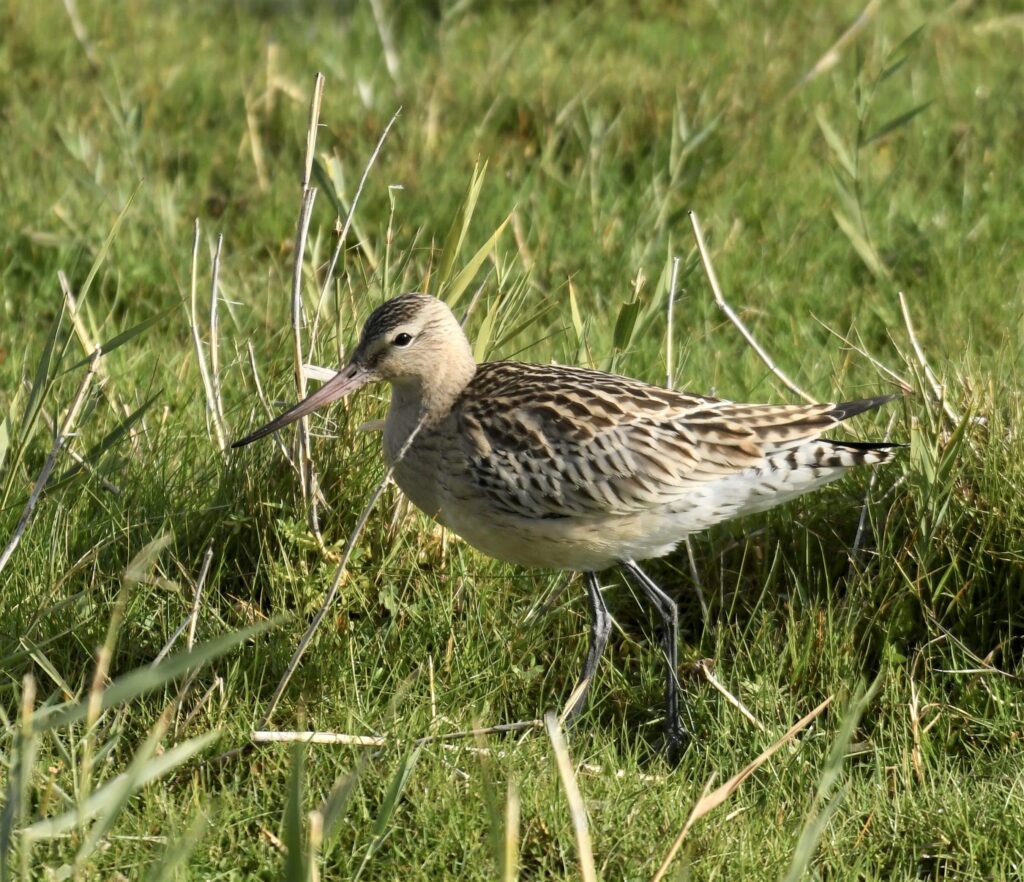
{"x":548,"y":441}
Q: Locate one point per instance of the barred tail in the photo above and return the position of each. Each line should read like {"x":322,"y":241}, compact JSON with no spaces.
{"x":845,"y":454}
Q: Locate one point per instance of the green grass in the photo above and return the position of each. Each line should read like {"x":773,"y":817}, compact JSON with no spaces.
{"x":600,"y":126}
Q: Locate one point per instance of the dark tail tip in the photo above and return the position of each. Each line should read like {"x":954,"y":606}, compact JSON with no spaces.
{"x":851,"y":408}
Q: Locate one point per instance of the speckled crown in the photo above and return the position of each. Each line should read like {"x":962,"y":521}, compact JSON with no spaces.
{"x":395,"y":312}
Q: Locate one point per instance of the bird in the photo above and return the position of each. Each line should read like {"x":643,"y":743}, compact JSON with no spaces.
{"x":566,"y":468}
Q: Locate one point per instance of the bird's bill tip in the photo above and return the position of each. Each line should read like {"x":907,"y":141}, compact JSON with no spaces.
{"x":343,"y":383}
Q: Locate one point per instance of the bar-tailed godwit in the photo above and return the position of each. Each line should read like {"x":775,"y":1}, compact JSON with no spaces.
{"x":571,"y":469}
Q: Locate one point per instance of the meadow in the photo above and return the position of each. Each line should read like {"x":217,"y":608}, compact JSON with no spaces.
{"x":166,"y":269}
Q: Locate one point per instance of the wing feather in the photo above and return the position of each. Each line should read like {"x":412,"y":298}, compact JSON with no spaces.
{"x":548,"y":441}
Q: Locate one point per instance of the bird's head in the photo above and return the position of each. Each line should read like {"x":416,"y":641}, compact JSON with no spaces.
{"x":411,"y":341}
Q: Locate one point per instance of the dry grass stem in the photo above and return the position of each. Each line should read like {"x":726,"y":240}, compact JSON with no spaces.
{"x":510,"y":854}
{"x":311,"y":131}
{"x":204,"y":370}
{"x":705,"y":669}
{"x":316,"y":841}
{"x":77,"y":322}
{"x":579,"y":689}
{"x":307,"y":474}
{"x":216,"y":686}
{"x":218,"y":401}
{"x":343,"y":235}
{"x":433,"y":694}
{"x":261,"y":736}
{"x":273,"y":841}
{"x":698,"y":585}
{"x":67,"y":427}
{"x":255,"y":144}
{"x":710,"y":801}
{"x":522,"y":249}
{"x":200,"y":582}
{"x":834,"y":53}
{"x":904,"y":385}
{"x":308,"y":480}
{"x":577,"y":810}
{"x":938,"y":390}
{"x":318,"y":373}
{"x":193,"y":618}
{"x":94,"y":704}
{"x":914,"y":706}
{"x":716,"y":289}
{"x":80,"y":460}
{"x":669,"y":336}
{"x":497,"y":729}
{"x":169,"y":645}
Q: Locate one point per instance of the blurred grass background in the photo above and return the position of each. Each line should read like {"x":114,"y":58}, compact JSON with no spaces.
{"x":836,"y":155}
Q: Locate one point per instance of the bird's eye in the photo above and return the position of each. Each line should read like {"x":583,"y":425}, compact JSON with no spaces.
{"x":402,"y":339}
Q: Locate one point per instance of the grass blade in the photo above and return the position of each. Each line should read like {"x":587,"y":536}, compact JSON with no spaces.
{"x":146,"y":679}
{"x":124,"y":337}
{"x":101,"y":255}
{"x":341,"y":794}
{"x":460,"y":227}
{"x":40,"y":383}
{"x":588,"y":871}
{"x":865,"y":250}
{"x":709,"y":801}
{"x":905,"y":44}
{"x":5,"y":439}
{"x":625,"y":322}
{"x":110,"y":799}
{"x":818,"y":818}
{"x":577,"y":318}
{"x":483,"y":336}
{"x":510,"y":853}
{"x":897,"y":122}
{"x":19,"y":775}
{"x":388,"y":806}
{"x":179,"y":850}
{"x":516,"y":330}
{"x":461,"y":282}
{"x":111,"y":439}
{"x":295,"y":859}
{"x":835,"y":144}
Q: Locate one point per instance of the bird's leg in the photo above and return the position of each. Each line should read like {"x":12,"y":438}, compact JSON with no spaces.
{"x":600,"y":628}
{"x":674,"y":735}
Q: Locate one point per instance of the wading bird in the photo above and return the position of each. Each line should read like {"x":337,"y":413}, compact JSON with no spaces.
{"x":571,"y":469}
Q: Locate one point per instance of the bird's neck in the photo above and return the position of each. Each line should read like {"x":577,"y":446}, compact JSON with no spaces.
{"x":432,"y":397}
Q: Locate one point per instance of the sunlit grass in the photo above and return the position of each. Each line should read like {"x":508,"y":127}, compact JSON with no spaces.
{"x":541,"y":168}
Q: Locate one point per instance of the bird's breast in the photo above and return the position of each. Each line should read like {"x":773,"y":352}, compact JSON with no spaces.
{"x":417,"y":472}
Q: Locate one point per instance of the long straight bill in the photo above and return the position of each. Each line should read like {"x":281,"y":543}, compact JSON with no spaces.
{"x":347,"y":380}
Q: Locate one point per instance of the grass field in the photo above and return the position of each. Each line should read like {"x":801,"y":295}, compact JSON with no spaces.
{"x":835,"y":154}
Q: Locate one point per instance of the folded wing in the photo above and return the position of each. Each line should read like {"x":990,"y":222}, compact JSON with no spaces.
{"x":554,"y":442}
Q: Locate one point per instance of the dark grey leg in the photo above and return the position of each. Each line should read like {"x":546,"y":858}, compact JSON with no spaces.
{"x":600,"y":628}
{"x":667,"y":610}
